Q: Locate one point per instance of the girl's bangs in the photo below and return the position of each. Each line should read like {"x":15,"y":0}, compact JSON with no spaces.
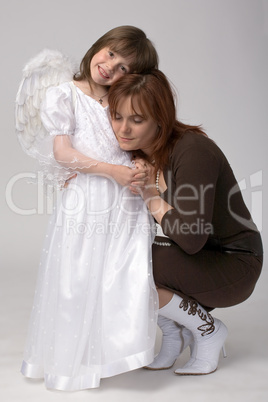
{"x":122,"y":47}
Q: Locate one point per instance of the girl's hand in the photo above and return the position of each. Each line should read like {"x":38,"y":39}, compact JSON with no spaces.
{"x":124,"y":175}
{"x":66,"y":184}
{"x":129,"y":177}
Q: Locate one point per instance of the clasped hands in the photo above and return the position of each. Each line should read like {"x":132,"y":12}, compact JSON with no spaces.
{"x":143,"y":182}
{"x":140,"y":180}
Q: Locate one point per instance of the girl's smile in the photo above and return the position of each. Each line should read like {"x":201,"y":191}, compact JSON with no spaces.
{"x":103,"y":73}
{"x":107,"y":66}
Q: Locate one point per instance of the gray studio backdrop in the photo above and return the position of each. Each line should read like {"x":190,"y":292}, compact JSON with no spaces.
{"x":213,"y":51}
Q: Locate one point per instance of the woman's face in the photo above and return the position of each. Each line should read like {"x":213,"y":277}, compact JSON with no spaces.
{"x":107,"y":66}
{"x":133,"y":131}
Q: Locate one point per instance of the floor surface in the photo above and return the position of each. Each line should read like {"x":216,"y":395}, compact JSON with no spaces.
{"x":242,"y":376}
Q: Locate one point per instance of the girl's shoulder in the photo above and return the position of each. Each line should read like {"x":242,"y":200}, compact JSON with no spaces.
{"x":65,"y":87}
{"x":61,"y":91}
{"x":60,"y":94}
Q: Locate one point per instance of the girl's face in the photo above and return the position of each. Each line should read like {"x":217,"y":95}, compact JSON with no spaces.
{"x":133,"y":131}
{"x":107,"y":66}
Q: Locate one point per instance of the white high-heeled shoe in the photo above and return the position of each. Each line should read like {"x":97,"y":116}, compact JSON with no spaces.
{"x":175,"y":340}
{"x":206,"y":352}
{"x":209,"y":334}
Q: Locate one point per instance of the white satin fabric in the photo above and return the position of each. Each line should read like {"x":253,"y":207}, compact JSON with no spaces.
{"x":95,"y":306}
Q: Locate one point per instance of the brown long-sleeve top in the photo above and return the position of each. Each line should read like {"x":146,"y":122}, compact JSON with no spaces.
{"x":208,"y":204}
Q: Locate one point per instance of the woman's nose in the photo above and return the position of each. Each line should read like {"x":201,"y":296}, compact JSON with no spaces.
{"x":125,"y":127}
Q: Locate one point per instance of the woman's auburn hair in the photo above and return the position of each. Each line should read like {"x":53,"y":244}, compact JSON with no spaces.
{"x":128,"y":41}
{"x":155,"y":97}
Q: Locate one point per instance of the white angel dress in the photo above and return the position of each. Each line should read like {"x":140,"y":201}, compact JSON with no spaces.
{"x":95,"y":307}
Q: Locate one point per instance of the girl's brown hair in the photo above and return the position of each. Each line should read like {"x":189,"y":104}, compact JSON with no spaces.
{"x":155,"y":98}
{"x":128,"y":41}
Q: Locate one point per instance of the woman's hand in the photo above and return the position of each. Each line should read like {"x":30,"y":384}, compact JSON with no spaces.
{"x":155,"y":204}
{"x":147,"y":188}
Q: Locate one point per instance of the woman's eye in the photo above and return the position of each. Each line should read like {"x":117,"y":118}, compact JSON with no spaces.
{"x":123,"y":69}
{"x":138,"y":120}
{"x":117,"y":117}
{"x":110,"y":53}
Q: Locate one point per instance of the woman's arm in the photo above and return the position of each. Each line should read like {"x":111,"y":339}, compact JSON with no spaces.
{"x":187,"y":216}
{"x":70,"y":158}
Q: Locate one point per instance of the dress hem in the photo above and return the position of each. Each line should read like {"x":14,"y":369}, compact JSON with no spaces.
{"x":90,"y":379}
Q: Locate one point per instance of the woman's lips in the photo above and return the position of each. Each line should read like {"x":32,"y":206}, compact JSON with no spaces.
{"x":126,"y":139}
{"x":103,"y":73}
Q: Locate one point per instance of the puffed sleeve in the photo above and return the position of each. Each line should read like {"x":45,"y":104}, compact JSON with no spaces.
{"x":57,"y":111}
{"x":58,"y":118}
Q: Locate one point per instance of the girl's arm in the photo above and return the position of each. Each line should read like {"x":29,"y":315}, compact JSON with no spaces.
{"x":69,"y":157}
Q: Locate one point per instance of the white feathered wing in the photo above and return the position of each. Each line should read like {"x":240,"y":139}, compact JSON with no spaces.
{"x":46,"y":69}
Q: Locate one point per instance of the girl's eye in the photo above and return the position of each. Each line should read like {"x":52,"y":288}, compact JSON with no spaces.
{"x":110,"y":53}
{"x":117,"y":116}
{"x":124,"y":70}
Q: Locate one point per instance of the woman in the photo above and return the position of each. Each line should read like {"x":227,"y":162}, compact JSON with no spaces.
{"x":209,"y":252}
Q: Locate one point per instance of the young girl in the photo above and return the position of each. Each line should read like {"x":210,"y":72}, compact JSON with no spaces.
{"x":94,"y":312}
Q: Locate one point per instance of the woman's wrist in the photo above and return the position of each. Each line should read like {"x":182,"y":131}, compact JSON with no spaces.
{"x":155,"y":204}
{"x":149,"y":192}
